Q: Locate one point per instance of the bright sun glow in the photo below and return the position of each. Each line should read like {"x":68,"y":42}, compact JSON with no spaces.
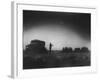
{"x":60,"y":37}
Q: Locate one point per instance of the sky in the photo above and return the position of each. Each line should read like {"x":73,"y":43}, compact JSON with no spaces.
{"x":62,"y":29}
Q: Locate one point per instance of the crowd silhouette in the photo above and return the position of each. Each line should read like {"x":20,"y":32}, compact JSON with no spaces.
{"x":36,"y":56}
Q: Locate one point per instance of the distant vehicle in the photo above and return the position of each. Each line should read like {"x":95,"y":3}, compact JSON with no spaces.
{"x":36,"y":47}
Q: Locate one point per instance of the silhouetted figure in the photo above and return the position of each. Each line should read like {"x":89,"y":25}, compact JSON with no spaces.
{"x":50,"y":47}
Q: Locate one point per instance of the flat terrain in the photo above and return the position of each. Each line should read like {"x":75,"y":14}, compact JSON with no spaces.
{"x":56,"y":59}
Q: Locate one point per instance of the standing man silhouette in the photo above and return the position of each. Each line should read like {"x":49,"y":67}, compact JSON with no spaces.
{"x":50,"y":47}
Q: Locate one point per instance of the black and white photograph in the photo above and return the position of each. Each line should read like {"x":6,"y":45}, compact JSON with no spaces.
{"x":53,"y":39}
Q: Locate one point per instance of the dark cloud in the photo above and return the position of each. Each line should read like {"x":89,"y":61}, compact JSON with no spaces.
{"x":80,"y":21}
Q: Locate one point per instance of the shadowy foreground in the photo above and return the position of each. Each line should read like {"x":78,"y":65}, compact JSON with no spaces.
{"x":37,"y":56}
